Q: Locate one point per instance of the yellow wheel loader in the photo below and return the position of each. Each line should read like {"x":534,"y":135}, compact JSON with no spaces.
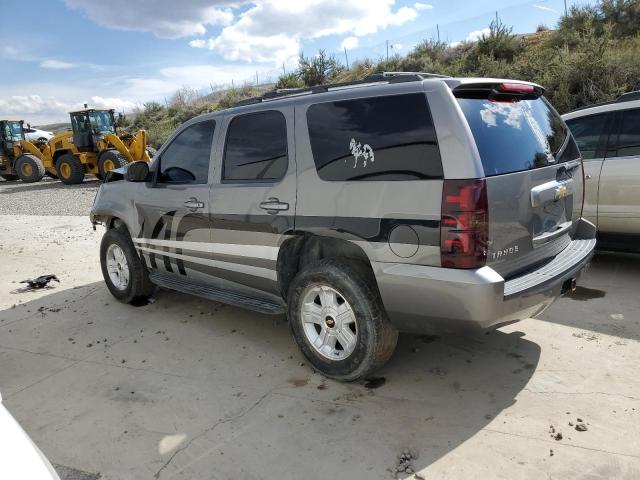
{"x":93,"y":146}
{"x":19,"y":158}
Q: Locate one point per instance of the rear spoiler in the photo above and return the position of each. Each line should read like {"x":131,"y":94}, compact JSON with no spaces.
{"x":506,"y":91}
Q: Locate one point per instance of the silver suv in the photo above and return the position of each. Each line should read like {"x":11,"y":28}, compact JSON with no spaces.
{"x":608,"y":135}
{"x":406,"y":202}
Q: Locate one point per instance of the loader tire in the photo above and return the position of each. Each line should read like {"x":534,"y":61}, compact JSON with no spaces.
{"x":70,"y":170}
{"x":29,"y":168}
{"x":10,"y":178}
{"x":110,"y":160}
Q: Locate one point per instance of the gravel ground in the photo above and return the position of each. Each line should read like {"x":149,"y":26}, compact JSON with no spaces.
{"x":47,"y":197}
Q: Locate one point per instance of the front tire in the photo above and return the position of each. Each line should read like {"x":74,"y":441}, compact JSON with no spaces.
{"x":70,"y":170}
{"x":337,"y":319}
{"x":126,"y":277}
{"x":110,"y":160}
{"x":29,"y":168}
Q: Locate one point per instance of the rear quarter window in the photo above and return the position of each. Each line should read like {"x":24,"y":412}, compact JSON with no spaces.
{"x":518,"y":135}
{"x":376,"y":138}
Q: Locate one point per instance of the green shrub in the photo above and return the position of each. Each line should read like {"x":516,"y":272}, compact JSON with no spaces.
{"x":289,"y":80}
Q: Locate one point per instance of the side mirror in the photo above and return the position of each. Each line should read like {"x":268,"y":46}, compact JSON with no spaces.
{"x":136,"y":171}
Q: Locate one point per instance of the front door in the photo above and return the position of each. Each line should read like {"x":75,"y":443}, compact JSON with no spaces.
{"x":82,"y":132}
{"x":253,"y":198}
{"x":619,"y":196}
{"x":591,"y":133}
{"x":174,"y":210}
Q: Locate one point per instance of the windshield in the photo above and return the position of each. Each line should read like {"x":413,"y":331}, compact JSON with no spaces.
{"x":102,"y":122}
{"x":514,"y":136}
{"x":13,"y":132}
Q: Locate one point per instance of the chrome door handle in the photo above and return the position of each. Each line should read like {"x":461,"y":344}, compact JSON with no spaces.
{"x":272,"y":205}
{"x":193,"y":204}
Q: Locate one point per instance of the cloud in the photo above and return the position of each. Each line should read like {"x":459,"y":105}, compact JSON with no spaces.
{"x":350,"y":43}
{"x":545,"y":8}
{"x":199,"y":43}
{"x":29,"y":105}
{"x":56,"y":64}
{"x":422,"y":6}
{"x":477,"y":34}
{"x":272,"y":30}
{"x":170,"y":79}
{"x":164,"y":18}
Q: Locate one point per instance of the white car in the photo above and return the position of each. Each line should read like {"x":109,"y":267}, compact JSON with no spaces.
{"x":608,"y":135}
{"x":35,"y":135}
{"x":19,"y":456}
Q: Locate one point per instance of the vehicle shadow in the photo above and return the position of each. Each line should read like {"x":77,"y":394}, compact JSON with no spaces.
{"x":606,"y":299}
{"x":191,"y":356}
{"x":90,"y":182}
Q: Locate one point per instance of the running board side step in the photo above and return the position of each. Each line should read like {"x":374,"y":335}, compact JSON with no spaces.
{"x":260,"y":305}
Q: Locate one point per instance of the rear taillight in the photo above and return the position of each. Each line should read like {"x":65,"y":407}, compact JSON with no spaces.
{"x":517,"y":88}
{"x":464,"y":224}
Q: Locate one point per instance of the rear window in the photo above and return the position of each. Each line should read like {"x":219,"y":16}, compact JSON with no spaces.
{"x":517,"y":136}
{"x":377,"y":138}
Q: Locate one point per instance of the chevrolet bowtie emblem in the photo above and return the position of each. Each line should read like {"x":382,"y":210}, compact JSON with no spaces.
{"x":561,"y":192}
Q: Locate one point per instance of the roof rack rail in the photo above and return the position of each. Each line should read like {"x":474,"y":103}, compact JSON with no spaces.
{"x":629,"y":96}
{"x":419,"y":75}
{"x":625,"y":97}
{"x":374,"y":78}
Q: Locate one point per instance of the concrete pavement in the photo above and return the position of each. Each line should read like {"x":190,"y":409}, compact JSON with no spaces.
{"x":184,"y":388}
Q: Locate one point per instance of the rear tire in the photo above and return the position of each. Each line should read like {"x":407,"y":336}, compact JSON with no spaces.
{"x":340,"y":294}
{"x":124,"y":273}
{"x":110,"y":160}
{"x":70,"y":170}
{"x":29,"y":168}
{"x":10,"y":178}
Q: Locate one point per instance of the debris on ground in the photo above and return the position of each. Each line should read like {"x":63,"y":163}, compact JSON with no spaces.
{"x":375,"y":382}
{"x":581,"y":427}
{"x":551,"y":452}
{"x":405,"y":463}
{"x":40,"y":282}
{"x":557,"y":436}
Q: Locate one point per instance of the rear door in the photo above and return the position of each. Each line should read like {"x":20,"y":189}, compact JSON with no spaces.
{"x":619,"y":198}
{"x":253,"y":199}
{"x":175,"y":230}
{"x":533,"y":173}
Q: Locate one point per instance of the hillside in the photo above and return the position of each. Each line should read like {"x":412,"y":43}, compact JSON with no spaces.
{"x":591,"y":56}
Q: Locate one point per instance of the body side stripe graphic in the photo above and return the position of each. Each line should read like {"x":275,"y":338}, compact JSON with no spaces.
{"x":240,"y":250}
{"x":236,"y":267}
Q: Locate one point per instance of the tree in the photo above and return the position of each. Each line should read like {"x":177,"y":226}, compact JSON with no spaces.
{"x":319,"y":69}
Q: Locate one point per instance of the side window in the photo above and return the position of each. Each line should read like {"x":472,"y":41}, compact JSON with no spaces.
{"x":629,"y":133}
{"x":377,"y":138}
{"x":587,"y":131}
{"x":256,"y":148}
{"x":186,"y":160}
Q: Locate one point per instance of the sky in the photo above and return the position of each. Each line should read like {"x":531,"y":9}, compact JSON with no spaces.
{"x":122,"y":53}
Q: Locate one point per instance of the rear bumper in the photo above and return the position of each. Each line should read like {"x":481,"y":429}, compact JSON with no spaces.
{"x":424,"y":299}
